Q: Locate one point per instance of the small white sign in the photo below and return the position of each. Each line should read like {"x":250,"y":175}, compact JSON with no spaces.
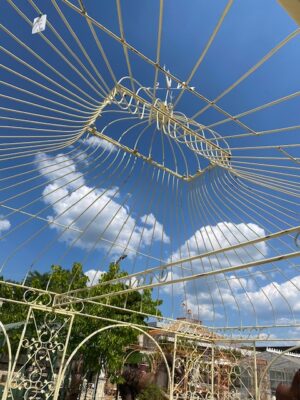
{"x":39,"y":24}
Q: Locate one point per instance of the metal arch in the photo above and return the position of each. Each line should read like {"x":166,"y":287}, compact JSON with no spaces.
{"x":63,"y":372}
{"x":271,"y":363}
{"x":136,"y":351}
{"x":41,"y":343}
{"x":240,"y":164}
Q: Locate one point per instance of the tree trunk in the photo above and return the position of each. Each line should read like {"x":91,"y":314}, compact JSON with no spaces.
{"x":76,"y":379}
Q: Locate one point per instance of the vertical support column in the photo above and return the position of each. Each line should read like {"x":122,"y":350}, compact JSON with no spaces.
{"x":12,"y":369}
{"x":172,"y":385}
{"x":212,"y":369}
{"x":59,"y":378}
{"x":256,"y":388}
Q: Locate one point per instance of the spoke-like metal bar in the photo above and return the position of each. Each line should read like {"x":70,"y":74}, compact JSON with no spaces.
{"x":203,"y":255}
{"x":201,"y":275}
{"x":204,"y":52}
{"x":147,"y":159}
{"x":163,"y":117}
{"x":92,"y":22}
{"x":270,"y":54}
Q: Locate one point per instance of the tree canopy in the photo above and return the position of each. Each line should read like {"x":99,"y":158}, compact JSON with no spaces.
{"x":103,"y":351}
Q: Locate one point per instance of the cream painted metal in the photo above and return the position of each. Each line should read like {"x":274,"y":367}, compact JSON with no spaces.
{"x":292,"y":7}
{"x":269,"y":366}
{"x":204,"y":363}
{"x":108,"y":328}
{"x":194,"y":361}
{"x":99,"y":164}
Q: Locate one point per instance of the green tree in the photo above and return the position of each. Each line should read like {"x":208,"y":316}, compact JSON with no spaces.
{"x":111,"y":347}
{"x":104,"y":351}
{"x":152,"y":392}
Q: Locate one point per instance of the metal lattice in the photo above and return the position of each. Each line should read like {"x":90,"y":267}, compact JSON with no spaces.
{"x":110,"y":151}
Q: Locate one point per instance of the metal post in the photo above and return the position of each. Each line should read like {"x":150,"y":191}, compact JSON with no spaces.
{"x":173,"y":369}
{"x":59,"y":376}
{"x":11,"y":372}
{"x":212,"y":370}
{"x":256,"y":388}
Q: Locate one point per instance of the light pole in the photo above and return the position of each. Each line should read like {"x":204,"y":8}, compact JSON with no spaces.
{"x":122,"y":257}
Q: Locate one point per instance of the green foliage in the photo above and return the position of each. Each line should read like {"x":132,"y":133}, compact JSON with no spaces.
{"x":59,"y":280}
{"x":152,"y":392}
{"x":108,"y":349}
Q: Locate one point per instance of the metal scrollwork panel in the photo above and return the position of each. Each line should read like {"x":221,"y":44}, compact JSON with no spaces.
{"x":193,"y":369}
{"x":39,"y":356}
{"x":234,"y":373}
{"x":206,"y":370}
{"x":35,"y":297}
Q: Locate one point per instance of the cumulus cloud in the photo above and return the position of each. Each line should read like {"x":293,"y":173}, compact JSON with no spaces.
{"x":96,"y":215}
{"x":4,"y":224}
{"x":282,"y":298}
{"x":94,"y":276}
{"x":239,"y":299}
{"x":95,"y":142}
{"x":99,"y":220}
{"x":60,"y":169}
{"x":222,"y":235}
{"x":212,"y":297}
{"x":199,"y":309}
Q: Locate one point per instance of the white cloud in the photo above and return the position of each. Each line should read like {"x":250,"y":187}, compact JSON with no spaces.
{"x":240,"y":299}
{"x":4,"y":224}
{"x":154,"y":230}
{"x":283,"y":297}
{"x":240,"y":296}
{"x":94,"y":276}
{"x":80,"y":157}
{"x":60,"y":169}
{"x":215,"y":294}
{"x":201,"y":310}
{"x":100,"y":214}
{"x":222,"y":235}
{"x":96,"y":142}
{"x":95,"y":212}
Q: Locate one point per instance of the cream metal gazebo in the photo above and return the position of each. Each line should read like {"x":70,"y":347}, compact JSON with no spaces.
{"x":108,"y":154}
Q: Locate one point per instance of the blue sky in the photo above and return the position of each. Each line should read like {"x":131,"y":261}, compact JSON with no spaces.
{"x":120,"y":198}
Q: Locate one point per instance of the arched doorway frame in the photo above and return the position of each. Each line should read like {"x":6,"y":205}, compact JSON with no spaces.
{"x":99,"y":331}
{"x":271,"y":363}
{"x":137,"y":351}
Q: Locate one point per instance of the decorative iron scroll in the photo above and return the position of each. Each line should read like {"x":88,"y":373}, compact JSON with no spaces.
{"x":212,"y":371}
{"x":176,"y":125}
{"x":40,"y":355}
